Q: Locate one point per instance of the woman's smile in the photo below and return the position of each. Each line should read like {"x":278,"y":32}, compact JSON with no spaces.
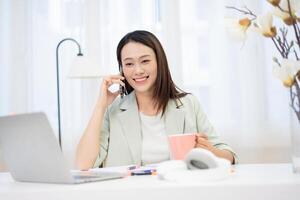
{"x":141,"y":80}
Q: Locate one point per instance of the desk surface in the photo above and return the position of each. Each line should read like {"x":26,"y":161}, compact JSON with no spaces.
{"x":251,"y":181}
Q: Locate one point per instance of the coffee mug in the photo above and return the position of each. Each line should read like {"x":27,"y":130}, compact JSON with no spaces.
{"x":181,"y":144}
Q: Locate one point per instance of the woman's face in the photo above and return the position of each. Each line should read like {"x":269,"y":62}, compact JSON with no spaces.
{"x":139,"y":66}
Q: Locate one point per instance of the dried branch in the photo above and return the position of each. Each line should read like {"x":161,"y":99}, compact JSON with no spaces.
{"x":294,"y":24}
{"x":250,"y":12}
{"x":277,"y":47}
{"x":298,"y":29}
{"x":280,"y":8}
{"x":296,"y":55}
{"x":295,"y":96}
{"x":245,"y":12}
{"x":294,"y":100}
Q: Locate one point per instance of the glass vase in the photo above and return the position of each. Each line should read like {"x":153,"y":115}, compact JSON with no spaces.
{"x":295,"y":141}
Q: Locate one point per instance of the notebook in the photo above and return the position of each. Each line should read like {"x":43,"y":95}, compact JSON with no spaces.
{"x":32,"y":154}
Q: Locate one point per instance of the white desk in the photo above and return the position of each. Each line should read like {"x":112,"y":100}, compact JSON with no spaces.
{"x":255,"y":181}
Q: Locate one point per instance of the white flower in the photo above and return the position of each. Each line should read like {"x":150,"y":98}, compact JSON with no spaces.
{"x":283,"y":13}
{"x":237,"y":28}
{"x":264,"y":25}
{"x":286,"y":71}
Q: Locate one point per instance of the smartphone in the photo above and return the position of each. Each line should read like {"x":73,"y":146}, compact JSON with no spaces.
{"x":122,"y":89}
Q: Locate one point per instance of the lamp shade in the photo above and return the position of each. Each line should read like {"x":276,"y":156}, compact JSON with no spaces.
{"x":85,"y":67}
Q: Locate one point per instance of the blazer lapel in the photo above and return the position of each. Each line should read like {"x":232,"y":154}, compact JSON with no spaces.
{"x":131,"y":126}
{"x":174,"y":118}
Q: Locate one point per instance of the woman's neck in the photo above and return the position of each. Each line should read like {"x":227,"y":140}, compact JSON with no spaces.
{"x":146,"y":104}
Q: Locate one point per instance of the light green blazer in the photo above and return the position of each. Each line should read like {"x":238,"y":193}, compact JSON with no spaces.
{"x":121,"y":137}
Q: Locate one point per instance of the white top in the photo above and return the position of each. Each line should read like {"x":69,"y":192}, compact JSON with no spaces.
{"x":155,"y":146}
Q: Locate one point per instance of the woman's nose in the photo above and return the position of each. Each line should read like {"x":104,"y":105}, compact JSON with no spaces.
{"x":139,"y":69}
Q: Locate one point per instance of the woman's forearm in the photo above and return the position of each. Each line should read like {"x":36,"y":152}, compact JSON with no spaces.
{"x":89,"y":145}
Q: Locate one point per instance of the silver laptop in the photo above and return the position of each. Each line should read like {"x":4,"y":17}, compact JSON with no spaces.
{"x":31,"y":152}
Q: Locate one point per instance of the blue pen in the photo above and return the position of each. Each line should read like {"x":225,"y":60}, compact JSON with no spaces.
{"x":140,"y":173}
{"x":143,"y":172}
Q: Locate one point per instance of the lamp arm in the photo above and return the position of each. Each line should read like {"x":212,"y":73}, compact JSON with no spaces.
{"x":57,"y":81}
{"x":69,"y":39}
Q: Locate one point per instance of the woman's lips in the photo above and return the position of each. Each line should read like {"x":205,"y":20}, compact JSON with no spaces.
{"x":140,"y":80}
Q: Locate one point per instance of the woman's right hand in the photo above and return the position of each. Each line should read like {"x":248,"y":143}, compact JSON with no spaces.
{"x":107,"y":97}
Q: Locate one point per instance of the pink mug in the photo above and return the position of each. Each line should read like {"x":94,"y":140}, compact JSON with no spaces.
{"x":181,"y":144}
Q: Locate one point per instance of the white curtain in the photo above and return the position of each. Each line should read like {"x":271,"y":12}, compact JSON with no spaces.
{"x":248,"y":107}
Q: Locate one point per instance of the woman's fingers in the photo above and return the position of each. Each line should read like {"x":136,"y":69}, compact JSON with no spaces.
{"x":202,"y":141}
{"x":109,"y":80}
{"x":113,"y":79}
{"x":116,"y":76}
{"x":201,"y":146}
{"x":201,"y":135}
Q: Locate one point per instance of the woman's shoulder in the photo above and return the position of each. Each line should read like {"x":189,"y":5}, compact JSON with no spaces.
{"x":189,"y":99}
{"x":190,"y":102}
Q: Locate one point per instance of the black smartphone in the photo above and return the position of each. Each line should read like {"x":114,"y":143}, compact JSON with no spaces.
{"x":122,"y":89}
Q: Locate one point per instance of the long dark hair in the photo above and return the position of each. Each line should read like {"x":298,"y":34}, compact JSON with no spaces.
{"x":164,"y":87}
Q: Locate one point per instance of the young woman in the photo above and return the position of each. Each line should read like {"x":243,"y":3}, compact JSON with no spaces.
{"x":133,"y":129}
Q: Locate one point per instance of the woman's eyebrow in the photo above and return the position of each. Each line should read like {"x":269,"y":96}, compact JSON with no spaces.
{"x":144,"y":56}
{"x":141,"y":57}
{"x":127,"y":59}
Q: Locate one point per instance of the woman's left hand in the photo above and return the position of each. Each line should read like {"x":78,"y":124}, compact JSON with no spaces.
{"x":203,"y":142}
